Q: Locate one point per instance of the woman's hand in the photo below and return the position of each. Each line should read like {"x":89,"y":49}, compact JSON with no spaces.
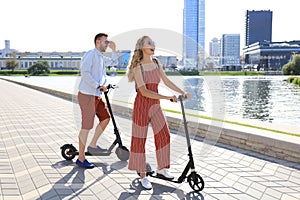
{"x":173,"y":98}
{"x":187,"y":95}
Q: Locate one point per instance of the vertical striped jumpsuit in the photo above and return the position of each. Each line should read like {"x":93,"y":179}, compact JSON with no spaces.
{"x":145,"y":111}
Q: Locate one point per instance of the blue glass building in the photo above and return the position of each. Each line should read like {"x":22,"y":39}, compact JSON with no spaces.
{"x":194,"y":33}
{"x":258,"y":26}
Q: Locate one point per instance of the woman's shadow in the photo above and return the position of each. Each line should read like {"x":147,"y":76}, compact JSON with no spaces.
{"x":64,"y":188}
{"x":157,"y":192}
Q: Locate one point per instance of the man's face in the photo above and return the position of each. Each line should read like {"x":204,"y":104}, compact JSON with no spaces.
{"x":102,"y":44}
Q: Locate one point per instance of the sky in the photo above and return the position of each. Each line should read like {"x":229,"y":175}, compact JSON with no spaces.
{"x":70,"y":25}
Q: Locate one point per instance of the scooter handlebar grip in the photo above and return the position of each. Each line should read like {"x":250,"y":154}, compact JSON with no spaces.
{"x":182,"y":97}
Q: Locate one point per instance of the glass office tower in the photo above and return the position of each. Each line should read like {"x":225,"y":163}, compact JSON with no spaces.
{"x":230,"y":50}
{"x":194,"y":34}
{"x":258,"y":26}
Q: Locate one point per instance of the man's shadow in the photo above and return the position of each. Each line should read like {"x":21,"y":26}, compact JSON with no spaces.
{"x":157,"y":192}
{"x":64,"y":188}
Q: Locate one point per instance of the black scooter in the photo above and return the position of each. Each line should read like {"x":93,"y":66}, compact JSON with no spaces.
{"x":68,"y":151}
{"x":195,"y":180}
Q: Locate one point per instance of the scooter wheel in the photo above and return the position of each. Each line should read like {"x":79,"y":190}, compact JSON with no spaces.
{"x":149,"y":171}
{"x":122,"y":153}
{"x":68,"y":151}
{"x":195,"y":181}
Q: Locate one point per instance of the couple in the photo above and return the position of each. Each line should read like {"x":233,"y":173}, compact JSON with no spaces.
{"x":146,"y":72}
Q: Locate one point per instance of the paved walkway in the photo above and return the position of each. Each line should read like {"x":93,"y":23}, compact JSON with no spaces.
{"x":34,"y":125}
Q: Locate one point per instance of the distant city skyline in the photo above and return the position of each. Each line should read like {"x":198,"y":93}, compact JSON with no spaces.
{"x":71,"y":25}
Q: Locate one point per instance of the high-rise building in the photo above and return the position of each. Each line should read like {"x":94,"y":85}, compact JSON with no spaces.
{"x":214,"y":47}
{"x":194,"y":33}
{"x":230,"y":50}
{"x":258,"y":26}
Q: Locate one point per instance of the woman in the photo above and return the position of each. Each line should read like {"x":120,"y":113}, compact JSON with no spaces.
{"x":147,"y":72}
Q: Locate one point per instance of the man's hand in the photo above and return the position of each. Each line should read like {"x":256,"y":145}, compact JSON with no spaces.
{"x":112,"y":46}
{"x":102,"y":88}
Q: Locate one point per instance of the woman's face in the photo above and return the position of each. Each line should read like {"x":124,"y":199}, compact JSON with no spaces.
{"x":148,"y":47}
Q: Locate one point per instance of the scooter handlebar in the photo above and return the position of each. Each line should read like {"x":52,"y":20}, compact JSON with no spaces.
{"x":180,"y":97}
{"x":109,"y":86}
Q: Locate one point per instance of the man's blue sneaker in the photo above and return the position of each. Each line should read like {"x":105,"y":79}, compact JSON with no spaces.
{"x":97,"y":150}
{"x":84,"y":164}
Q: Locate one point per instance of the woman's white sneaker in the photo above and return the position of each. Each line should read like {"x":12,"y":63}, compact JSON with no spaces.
{"x":146,"y":183}
{"x":165,"y":173}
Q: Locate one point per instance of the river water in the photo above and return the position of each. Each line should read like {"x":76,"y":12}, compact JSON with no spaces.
{"x":264,"y":98}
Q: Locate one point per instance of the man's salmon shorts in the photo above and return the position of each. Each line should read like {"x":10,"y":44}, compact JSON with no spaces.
{"x":91,"y":106}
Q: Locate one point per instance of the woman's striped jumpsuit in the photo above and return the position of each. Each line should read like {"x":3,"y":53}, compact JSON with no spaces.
{"x":145,"y":111}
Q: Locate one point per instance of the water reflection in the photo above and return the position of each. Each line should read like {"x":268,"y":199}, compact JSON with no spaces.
{"x":267,"y":99}
{"x":195,"y":87}
{"x":232,"y":92}
{"x":256,"y":100}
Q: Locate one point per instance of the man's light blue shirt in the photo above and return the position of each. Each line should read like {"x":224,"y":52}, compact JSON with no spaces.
{"x":93,"y":71}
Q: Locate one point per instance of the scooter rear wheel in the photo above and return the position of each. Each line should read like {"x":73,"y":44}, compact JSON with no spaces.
{"x":195,"y":181}
{"x":68,"y":151}
{"x":122,"y":153}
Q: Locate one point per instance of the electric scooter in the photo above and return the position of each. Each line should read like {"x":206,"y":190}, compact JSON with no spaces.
{"x":68,"y":151}
{"x":195,"y":181}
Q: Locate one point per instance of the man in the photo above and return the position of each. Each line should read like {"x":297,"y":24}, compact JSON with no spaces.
{"x":92,"y":84}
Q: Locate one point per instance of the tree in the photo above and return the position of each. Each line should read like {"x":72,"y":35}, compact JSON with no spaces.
{"x":287,"y":69}
{"x":293,"y":67}
{"x":12,"y":63}
{"x":40,"y":67}
{"x":296,"y":64}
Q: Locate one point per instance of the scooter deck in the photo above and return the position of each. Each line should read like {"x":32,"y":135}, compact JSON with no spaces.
{"x":104,"y":153}
{"x":155,"y":175}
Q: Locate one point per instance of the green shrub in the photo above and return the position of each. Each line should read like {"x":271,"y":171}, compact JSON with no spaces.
{"x":290,"y":79}
{"x":293,"y":67}
{"x":39,"y":68}
{"x":294,"y":79}
{"x":287,"y":69}
{"x":297,"y":81}
{"x":64,"y":72}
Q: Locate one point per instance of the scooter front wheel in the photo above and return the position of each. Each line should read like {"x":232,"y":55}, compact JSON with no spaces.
{"x":195,"y":181}
{"x":68,"y":151}
{"x":122,"y":153}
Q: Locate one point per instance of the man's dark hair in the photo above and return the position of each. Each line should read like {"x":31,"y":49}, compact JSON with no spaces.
{"x":99,"y":35}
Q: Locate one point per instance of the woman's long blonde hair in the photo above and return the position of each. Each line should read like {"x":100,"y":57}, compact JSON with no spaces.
{"x":136,"y":57}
